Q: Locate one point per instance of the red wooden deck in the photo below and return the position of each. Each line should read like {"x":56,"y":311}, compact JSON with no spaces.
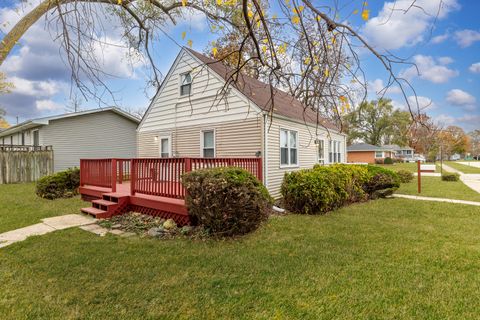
{"x":149,"y":186}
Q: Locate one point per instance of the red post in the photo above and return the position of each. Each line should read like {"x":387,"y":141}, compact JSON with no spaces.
{"x":133,"y":172}
{"x":419,"y":175}
{"x":120,"y":172}
{"x":114,"y":175}
{"x":188,"y":164}
{"x":260,"y":170}
{"x":82,"y":172}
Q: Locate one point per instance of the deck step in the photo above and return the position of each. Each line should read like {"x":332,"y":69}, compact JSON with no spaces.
{"x":97,"y":213}
{"x":103,"y":202}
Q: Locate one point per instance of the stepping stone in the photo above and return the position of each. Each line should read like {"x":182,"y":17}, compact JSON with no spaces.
{"x":68,"y":221}
{"x":4,"y":243}
{"x":96,"y":229}
{"x":117,"y":232}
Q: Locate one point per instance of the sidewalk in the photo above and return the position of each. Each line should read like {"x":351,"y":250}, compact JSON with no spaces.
{"x":46,"y":226}
{"x":471,"y":180}
{"x":472,"y":203}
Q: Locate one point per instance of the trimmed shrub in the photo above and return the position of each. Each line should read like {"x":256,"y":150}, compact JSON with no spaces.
{"x":63,"y":184}
{"x":226,"y":201}
{"x":405,"y":176}
{"x":388,"y":160}
{"x":450,"y":177}
{"x":382,"y":183}
{"x":324,"y":188}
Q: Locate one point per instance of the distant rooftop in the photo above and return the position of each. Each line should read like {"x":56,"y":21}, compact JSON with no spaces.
{"x":45,"y":120}
{"x":366,"y":147}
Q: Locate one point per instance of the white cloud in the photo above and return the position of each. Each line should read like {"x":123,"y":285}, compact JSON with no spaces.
{"x":34,"y":88}
{"x":48,"y":105}
{"x":475,"y":68}
{"x":379,"y":88}
{"x":428,"y":69}
{"x":399,"y":24}
{"x":444,"y":119}
{"x":467,"y":37}
{"x":421,"y":103}
{"x":440,"y":38}
{"x":461,"y":98}
{"x":445,"y":60}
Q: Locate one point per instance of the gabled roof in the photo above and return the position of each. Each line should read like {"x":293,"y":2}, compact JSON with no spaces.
{"x":46,"y":120}
{"x":396,"y":147}
{"x":366,"y":147}
{"x":260,"y":93}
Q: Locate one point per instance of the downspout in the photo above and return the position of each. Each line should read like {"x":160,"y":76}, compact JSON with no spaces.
{"x":265,"y":151}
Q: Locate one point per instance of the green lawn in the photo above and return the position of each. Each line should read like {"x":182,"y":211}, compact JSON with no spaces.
{"x":462,"y":167}
{"x":20,"y":207}
{"x":410,"y":166}
{"x":385,"y":259}
{"x":435,"y":187}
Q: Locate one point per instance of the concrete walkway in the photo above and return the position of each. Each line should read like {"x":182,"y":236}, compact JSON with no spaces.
{"x":471,"y":180}
{"x":472,"y":203}
{"x":46,"y":226}
{"x":475,"y":164}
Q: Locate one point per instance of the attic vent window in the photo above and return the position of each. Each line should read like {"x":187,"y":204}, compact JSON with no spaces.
{"x":185,"y":84}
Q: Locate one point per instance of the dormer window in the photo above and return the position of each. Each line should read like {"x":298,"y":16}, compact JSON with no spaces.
{"x":185,"y":84}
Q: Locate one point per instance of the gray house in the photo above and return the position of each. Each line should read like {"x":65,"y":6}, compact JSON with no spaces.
{"x":98,"y":133}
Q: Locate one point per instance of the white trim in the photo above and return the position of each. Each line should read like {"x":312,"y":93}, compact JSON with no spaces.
{"x":180,"y":84}
{"x":310,"y":124}
{"x":324,"y":149}
{"x":214,"y":141}
{"x":296,"y":165}
{"x":169,"y":138}
{"x":33,"y":137}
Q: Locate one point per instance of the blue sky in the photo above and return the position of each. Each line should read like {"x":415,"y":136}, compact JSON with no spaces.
{"x":446,"y":53}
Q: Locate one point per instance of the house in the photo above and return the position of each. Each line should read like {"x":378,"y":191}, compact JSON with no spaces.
{"x":99,"y":133}
{"x":367,"y":153}
{"x":404,"y":153}
{"x":194,"y":114}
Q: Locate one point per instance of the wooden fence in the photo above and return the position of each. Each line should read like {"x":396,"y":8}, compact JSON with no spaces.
{"x":25,"y":165}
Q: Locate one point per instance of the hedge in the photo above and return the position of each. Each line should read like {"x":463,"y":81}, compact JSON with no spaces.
{"x":325,"y":188}
{"x":450,"y":177}
{"x":226,"y":201}
{"x":63,"y":184}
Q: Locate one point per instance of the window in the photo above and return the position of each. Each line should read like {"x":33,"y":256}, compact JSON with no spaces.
{"x":288,"y":148}
{"x":36,"y":138}
{"x":165,"y":147}
{"x":208,"y":144}
{"x":378,"y":154}
{"x":185,"y":84}
{"x":334,"y":151}
{"x":321,"y":151}
{"x":23,"y":138}
{"x":11,"y":140}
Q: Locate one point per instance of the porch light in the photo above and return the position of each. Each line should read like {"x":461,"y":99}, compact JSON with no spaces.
{"x":155,"y":138}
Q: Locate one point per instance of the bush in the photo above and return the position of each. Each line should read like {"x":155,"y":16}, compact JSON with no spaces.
{"x":405,"y":176}
{"x":382,"y":183}
{"x":324,"y":188}
{"x":378,"y":161}
{"x":450,"y":177}
{"x":226,"y":201}
{"x":388,"y":160}
{"x":63,"y":184}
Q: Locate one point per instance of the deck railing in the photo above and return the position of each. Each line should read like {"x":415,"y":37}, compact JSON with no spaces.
{"x":156,"y":176}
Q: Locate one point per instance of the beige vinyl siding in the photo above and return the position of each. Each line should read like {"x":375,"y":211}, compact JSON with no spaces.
{"x":97,"y":135}
{"x":232,"y":139}
{"x":307,"y":149}
{"x":206,"y":104}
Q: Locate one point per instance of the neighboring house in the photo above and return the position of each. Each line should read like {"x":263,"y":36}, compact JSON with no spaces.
{"x":403,"y":153}
{"x":367,"y":153}
{"x":190,"y":117}
{"x":99,"y":133}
